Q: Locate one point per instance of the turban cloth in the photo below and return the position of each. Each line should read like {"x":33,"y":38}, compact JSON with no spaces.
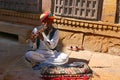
{"x":46,"y":15}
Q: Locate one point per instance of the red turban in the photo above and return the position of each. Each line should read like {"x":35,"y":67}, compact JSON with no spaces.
{"x":46,"y":15}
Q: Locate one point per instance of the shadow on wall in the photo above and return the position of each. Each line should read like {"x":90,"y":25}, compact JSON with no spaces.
{"x":60,"y":45}
{"x":52,"y":6}
{"x":9,"y":36}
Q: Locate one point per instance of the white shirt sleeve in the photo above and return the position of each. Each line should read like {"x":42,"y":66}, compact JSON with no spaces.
{"x":31,"y":44}
{"x":53,"y":42}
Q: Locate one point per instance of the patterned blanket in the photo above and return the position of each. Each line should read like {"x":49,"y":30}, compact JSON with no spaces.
{"x":72,"y":69}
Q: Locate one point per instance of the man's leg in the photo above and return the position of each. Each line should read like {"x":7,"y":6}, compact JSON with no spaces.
{"x":59,"y":59}
{"x":34,"y":57}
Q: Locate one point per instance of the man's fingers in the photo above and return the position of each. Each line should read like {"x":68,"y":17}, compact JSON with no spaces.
{"x":41,"y":36}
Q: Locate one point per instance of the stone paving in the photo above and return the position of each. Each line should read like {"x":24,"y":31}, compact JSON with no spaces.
{"x":104,"y":66}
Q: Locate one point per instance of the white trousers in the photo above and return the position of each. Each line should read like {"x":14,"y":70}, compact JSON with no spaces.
{"x":52,"y":57}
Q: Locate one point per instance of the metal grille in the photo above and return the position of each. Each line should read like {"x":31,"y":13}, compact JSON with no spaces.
{"x":58,"y":7}
{"x":68,"y":7}
{"x":84,"y":9}
{"x":22,"y":5}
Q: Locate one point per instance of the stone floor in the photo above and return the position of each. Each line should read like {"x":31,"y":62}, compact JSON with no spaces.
{"x":104,"y":66}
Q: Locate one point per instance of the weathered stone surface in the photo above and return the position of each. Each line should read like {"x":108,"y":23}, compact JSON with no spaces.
{"x":105,"y":66}
{"x":109,"y":11}
{"x":93,"y":43}
{"x":114,"y":47}
{"x":102,"y":44}
{"x":46,"y":5}
{"x":99,"y":40}
{"x":70,"y":38}
{"x":114,"y":50}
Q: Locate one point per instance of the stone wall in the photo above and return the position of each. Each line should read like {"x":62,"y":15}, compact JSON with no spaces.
{"x":46,"y":5}
{"x":102,"y":44}
{"x":92,"y":42}
{"x":109,"y":11}
{"x":99,"y":36}
{"x":93,"y":36}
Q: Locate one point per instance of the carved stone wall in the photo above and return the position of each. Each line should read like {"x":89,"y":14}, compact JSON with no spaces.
{"x":21,"y":11}
{"x":94,"y":36}
{"x":101,"y":36}
{"x":33,"y":6}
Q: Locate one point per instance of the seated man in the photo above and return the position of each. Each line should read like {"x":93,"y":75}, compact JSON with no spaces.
{"x":44,"y":40}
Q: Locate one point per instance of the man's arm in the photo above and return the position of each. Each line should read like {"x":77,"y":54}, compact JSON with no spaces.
{"x":53,"y":42}
{"x":34,"y":35}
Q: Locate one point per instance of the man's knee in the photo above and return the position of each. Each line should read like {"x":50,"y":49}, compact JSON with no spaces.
{"x":28,"y":55}
{"x":34,"y":56}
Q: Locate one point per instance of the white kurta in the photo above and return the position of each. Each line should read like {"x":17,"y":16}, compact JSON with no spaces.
{"x":45,"y":53}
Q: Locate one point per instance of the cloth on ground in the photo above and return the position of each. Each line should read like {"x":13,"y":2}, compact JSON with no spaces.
{"x":75,"y":68}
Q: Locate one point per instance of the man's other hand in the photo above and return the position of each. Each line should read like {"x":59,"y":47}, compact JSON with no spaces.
{"x":40,"y":36}
{"x":33,"y":37}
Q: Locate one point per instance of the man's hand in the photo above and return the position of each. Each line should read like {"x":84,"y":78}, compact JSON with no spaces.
{"x":33,"y":37}
{"x":40,"y":36}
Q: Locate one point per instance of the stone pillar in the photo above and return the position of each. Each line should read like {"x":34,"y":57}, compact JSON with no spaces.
{"x":109,"y":11}
{"x":46,"y":5}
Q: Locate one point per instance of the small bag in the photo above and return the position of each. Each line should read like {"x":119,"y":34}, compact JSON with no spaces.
{"x":73,"y":71}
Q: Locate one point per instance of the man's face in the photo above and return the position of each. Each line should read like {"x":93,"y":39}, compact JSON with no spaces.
{"x":47,"y":23}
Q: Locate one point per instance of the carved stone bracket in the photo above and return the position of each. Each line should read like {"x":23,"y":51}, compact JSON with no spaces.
{"x":19,"y":17}
{"x":94,"y":27}
{"x":19,"y":14}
